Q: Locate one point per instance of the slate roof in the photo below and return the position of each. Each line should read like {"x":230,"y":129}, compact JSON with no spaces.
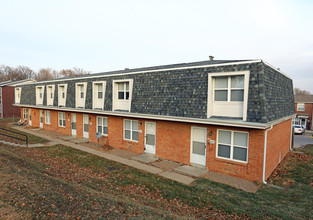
{"x":16,"y":82}
{"x":171,"y":66}
{"x":303,"y":98}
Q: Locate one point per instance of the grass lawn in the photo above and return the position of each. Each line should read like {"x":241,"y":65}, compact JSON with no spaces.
{"x":61,"y":182}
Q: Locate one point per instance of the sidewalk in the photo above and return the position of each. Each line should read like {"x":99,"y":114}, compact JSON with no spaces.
{"x":171,"y":170}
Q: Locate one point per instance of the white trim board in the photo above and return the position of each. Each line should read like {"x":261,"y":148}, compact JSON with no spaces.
{"x":231,"y":123}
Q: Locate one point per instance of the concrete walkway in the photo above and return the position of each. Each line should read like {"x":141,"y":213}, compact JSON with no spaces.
{"x":171,"y":170}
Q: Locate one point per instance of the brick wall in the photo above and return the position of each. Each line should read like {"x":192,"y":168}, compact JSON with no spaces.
{"x":7,"y":101}
{"x":308,"y":109}
{"x":173,"y":142}
{"x":278,"y":145}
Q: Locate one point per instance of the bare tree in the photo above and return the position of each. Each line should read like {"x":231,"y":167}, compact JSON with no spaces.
{"x":45,"y":74}
{"x":15,"y":73}
{"x":298,"y":91}
{"x":73,"y":72}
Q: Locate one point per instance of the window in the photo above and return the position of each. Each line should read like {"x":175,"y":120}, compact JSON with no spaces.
{"x":47,"y":117}
{"x":123,"y":90}
{"x":228,"y":94}
{"x":61,"y":119}
{"x":81,"y":89}
{"x":229,"y":88}
{"x":301,"y":107}
{"x":50,"y":95}
{"x":62,"y":89}
{"x":102,"y":125}
{"x":232,"y":145}
{"x":17,"y":95}
{"x":98,"y":94}
{"x":131,"y":130}
{"x":122,"y":94}
{"x":39,"y":95}
{"x":24,"y":113}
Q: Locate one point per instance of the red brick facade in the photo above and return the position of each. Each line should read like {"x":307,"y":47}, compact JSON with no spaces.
{"x":7,"y":99}
{"x":173,"y":142}
{"x":308,"y":109}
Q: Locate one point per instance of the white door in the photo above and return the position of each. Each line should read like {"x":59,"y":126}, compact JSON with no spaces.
{"x":86,"y":126}
{"x":73,"y":124}
{"x":198,"y":146}
{"x":41,"y":118}
{"x":150,"y":137}
{"x":30,"y":117}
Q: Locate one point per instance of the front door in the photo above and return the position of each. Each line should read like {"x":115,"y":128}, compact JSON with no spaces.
{"x":198,"y":146}
{"x":73,"y":124}
{"x":86,"y":126}
{"x":150,"y":137}
{"x":30,"y":117}
{"x":41,"y":118}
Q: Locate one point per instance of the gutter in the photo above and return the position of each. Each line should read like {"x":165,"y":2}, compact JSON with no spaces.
{"x":264,"y":154}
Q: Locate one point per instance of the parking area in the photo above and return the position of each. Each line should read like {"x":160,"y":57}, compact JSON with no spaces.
{"x":301,"y":140}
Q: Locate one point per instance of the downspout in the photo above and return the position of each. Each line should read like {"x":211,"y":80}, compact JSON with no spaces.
{"x":264,"y":154}
{"x":291,"y":137}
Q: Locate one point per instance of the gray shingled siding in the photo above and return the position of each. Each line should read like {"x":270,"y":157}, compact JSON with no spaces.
{"x":279,"y":99}
{"x":183,"y":93}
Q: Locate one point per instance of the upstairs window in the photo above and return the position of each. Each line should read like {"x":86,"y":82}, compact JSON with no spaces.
{"x":17,"y":95}
{"x":131,"y":130}
{"x":102,"y":125}
{"x":300,"y":107}
{"x":122,"y":94}
{"x":81,"y":89}
{"x":50,"y":95}
{"x":228,"y":94}
{"x":98,"y":89}
{"x":62,"y":90}
{"x":229,"y":88}
{"x":39,"y":95}
{"x":232,"y":145}
{"x":123,"y":90}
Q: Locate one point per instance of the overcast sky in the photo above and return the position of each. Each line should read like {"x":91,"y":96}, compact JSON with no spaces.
{"x":111,"y":35}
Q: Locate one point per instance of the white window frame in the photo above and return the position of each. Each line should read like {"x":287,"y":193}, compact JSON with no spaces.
{"x":48,"y":117}
{"x":80,"y":101}
{"x":117,"y":102}
{"x":131,"y":130}
{"x":50,"y":95}
{"x":61,"y":99}
{"x":61,"y":116}
{"x":210,"y":94}
{"x":98,"y":103}
{"x":300,"y":109}
{"x":232,"y":145}
{"x":103,"y":119}
{"x":25,"y":113}
{"x":40,"y":91}
{"x":18,"y":92}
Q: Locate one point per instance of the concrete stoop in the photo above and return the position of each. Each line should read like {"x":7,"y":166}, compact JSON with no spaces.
{"x":145,"y":158}
{"x":190,"y":171}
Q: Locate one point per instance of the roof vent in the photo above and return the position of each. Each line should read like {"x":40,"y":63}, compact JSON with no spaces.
{"x":211,"y":58}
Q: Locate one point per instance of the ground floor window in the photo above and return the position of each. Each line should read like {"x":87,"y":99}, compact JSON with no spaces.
{"x":48,"y":117}
{"x":24,"y":113}
{"x":232,"y":145}
{"x":61,"y":119}
{"x":131,"y":130}
{"x":102,"y":125}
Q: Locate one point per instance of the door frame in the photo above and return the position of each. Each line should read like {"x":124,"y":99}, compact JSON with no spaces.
{"x":73,"y":114}
{"x":154,"y":135}
{"x":41,"y":118}
{"x":30,"y":117}
{"x":205,"y":141}
{"x":86,"y":134}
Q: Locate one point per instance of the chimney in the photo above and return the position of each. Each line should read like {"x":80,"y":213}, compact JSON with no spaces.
{"x":211,"y":58}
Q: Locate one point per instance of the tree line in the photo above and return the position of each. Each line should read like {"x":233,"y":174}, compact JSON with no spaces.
{"x":23,"y":72}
